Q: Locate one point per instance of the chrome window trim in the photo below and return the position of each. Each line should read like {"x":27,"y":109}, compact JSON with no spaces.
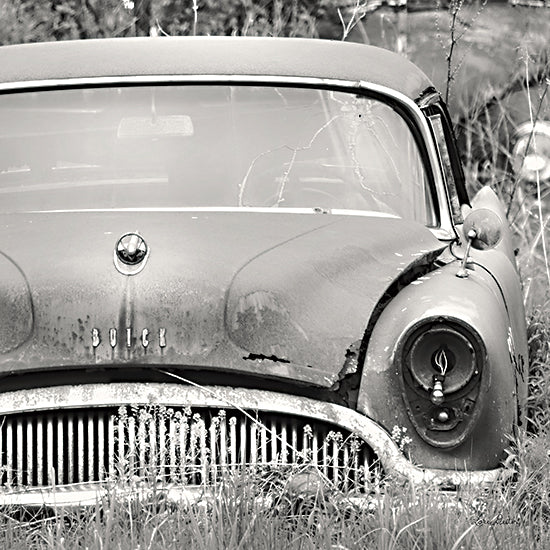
{"x":446,"y":228}
{"x":227,"y":209}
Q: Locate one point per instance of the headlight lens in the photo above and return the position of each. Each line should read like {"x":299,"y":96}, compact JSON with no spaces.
{"x":441,"y":362}
{"x":441,"y":350}
{"x":532,"y":151}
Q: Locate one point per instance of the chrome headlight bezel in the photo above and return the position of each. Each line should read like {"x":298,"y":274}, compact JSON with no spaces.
{"x":446,"y":419}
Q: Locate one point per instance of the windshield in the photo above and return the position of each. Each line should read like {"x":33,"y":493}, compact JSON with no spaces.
{"x":183,"y":146}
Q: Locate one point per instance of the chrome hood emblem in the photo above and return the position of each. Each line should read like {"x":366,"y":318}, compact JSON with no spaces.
{"x":131,"y":253}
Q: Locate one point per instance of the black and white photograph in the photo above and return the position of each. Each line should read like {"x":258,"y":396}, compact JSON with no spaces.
{"x":274,"y":274}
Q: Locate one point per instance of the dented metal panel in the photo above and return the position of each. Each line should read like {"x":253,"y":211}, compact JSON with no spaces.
{"x":281,"y":300}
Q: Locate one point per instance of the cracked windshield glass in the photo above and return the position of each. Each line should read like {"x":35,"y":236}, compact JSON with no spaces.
{"x":209,"y":146}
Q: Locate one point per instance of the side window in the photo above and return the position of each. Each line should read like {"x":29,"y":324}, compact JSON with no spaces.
{"x":438,"y":119}
{"x":437,"y":127}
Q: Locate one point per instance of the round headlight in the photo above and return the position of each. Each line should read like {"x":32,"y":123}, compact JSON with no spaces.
{"x":532,"y":151}
{"x":441,"y":362}
{"x":442,"y":348}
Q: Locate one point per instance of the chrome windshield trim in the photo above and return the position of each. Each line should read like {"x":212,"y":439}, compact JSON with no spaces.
{"x":228,"y":209}
{"x":187,"y":79}
{"x":410,"y":106}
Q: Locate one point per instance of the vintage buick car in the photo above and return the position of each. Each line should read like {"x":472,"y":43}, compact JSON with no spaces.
{"x":229,"y":252}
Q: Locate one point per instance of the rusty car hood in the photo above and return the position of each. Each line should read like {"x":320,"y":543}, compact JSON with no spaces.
{"x":280,"y":295}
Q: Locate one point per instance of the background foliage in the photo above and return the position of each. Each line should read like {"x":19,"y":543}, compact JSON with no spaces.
{"x":32,"y":21}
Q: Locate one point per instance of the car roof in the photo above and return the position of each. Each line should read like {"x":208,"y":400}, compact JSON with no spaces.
{"x":243,"y":56}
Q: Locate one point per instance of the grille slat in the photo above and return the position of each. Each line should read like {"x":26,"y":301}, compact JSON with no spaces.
{"x":254,"y":443}
{"x":223,"y":441}
{"x":120,"y":436}
{"x":30,"y":448}
{"x":152,"y":443}
{"x":50,"y":465}
{"x":183,"y":446}
{"x":243,"y":454}
{"x":19,"y":447}
{"x":162,"y":447}
{"x":187,"y":446}
{"x":131,"y":442}
{"x":39,"y":451}
{"x":111,"y":443}
{"x":10,"y":465}
{"x":142,"y":438}
{"x":272,"y":432}
{"x":263,"y":443}
{"x":284,"y":445}
{"x":294,"y":441}
{"x":70,"y":449}
{"x":315,"y":449}
{"x":100,"y":447}
{"x":60,"y":441}
{"x":80,"y":448}
{"x":233,"y":442}
{"x":203,"y":453}
{"x":92,"y":453}
{"x":172,"y":442}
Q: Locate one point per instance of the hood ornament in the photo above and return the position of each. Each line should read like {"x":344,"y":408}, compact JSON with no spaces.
{"x":131,"y":253}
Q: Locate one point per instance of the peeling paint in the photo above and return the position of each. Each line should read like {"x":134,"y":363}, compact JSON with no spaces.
{"x":261,"y":357}
{"x":351,"y":364}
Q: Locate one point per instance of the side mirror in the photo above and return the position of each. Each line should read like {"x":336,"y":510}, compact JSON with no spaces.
{"x":483,"y":231}
{"x":483,"y":228}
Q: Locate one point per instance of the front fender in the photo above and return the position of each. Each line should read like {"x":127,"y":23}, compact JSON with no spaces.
{"x":478,"y":302}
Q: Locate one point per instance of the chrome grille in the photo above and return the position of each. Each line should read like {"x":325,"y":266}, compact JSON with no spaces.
{"x":190,"y":446}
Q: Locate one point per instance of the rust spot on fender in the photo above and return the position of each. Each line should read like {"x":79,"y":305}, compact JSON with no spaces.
{"x":261,"y":357}
{"x":262,"y":321}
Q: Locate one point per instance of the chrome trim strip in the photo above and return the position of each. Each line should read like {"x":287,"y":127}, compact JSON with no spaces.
{"x":111,"y":442}
{"x":39,"y":449}
{"x":80,"y":448}
{"x":19,"y":439}
{"x":60,"y":440}
{"x":31,"y":449}
{"x":9,"y":452}
{"x":70,"y":445}
{"x":103,"y":81}
{"x":96,"y":395}
{"x":89,"y":461}
{"x":408,"y":103}
{"x":50,"y":469}
{"x":100,"y":449}
{"x":251,"y":209}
